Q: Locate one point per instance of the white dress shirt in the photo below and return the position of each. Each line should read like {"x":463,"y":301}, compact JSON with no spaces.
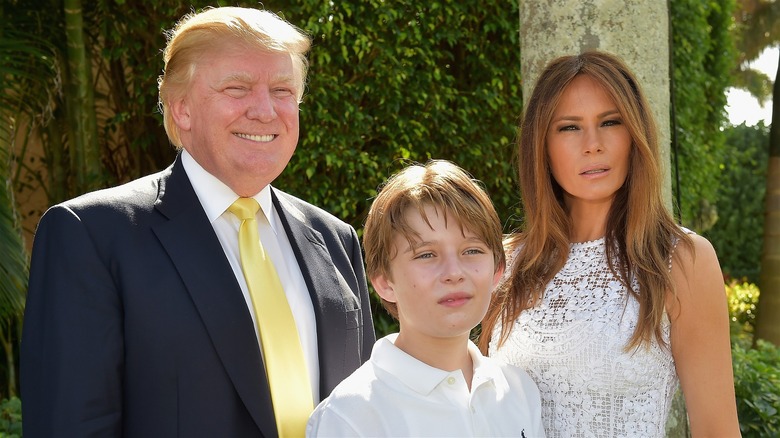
{"x":216,"y":197}
{"x":394,"y":394}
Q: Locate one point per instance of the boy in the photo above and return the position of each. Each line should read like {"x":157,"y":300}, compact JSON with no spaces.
{"x":434,"y":254}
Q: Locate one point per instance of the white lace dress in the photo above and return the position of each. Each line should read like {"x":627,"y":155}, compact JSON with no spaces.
{"x":572,"y":346}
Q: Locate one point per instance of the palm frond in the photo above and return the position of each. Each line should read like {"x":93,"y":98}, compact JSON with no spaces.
{"x":29,"y":83}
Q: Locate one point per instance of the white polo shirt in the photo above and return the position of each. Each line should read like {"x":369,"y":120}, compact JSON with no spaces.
{"x":394,"y":394}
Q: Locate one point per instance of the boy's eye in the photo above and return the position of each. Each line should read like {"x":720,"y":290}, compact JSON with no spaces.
{"x":475,"y":251}
{"x":423,"y":255}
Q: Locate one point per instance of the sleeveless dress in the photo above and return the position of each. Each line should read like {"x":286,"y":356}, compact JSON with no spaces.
{"x":572,"y":344}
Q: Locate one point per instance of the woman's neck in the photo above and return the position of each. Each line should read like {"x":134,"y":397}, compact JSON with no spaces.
{"x":588,"y":221}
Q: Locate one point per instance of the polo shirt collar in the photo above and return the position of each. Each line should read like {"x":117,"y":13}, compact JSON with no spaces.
{"x":423,"y":378}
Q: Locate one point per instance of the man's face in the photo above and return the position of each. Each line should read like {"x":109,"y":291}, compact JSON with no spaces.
{"x":239,"y":117}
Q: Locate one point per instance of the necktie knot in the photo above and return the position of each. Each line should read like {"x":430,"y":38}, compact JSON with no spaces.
{"x":244,"y":208}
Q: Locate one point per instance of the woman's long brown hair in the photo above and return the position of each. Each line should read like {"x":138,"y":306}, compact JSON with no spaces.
{"x":640,"y":231}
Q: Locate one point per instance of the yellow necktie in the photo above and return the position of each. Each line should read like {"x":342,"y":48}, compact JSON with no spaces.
{"x":284,"y":364}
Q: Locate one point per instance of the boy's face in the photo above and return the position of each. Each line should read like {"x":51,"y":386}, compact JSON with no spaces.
{"x":441,"y":284}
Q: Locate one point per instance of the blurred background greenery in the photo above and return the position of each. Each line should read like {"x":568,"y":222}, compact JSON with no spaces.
{"x":389,"y":83}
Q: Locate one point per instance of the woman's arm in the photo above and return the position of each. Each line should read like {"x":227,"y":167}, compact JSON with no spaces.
{"x":700,"y":341}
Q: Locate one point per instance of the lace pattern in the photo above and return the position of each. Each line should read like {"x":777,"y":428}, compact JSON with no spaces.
{"x":572,"y":344}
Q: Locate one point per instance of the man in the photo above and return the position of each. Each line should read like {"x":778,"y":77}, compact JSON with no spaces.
{"x":140,"y":320}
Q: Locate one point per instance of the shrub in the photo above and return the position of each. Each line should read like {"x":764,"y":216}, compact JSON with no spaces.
{"x":742,"y":300}
{"x":756,"y":370}
{"x":757,"y":386}
{"x":11,"y":418}
{"x":739,"y":232}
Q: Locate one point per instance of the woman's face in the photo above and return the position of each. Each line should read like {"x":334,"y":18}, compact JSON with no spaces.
{"x":587,"y":144}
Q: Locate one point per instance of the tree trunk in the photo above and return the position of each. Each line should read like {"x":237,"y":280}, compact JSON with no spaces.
{"x":638,"y":32}
{"x":80,"y":101}
{"x":768,"y":311}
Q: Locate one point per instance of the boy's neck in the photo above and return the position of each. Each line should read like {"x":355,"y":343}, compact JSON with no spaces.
{"x":448,"y":354}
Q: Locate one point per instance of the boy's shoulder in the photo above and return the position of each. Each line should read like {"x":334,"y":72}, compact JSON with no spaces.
{"x":354,"y":407}
{"x":360,"y":386}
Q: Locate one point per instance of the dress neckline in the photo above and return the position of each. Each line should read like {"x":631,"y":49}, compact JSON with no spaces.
{"x":587,"y":243}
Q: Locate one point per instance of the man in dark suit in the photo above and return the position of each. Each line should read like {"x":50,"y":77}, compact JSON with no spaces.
{"x":139,"y":321}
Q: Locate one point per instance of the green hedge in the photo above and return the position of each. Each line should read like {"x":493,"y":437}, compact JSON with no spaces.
{"x":756,"y":368}
{"x":10,"y":418}
{"x":393,"y":82}
{"x":703,"y":57}
{"x":757,"y":385}
{"x":739,"y":232}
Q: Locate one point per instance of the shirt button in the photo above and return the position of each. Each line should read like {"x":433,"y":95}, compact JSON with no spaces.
{"x":451,"y":380}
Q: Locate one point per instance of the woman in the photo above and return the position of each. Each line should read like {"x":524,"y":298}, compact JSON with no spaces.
{"x":608,"y":303}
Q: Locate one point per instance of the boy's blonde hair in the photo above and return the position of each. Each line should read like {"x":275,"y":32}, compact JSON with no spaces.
{"x":442,"y":185}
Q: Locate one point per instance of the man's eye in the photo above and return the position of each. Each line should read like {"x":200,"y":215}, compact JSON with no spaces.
{"x":236,"y":91}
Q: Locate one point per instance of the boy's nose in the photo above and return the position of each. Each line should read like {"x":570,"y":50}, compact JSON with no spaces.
{"x":453,"y":271}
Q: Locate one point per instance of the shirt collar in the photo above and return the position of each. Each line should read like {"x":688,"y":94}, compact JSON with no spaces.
{"x":423,"y":378}
{"x":486,"y":370}
{"x":215,"y":196}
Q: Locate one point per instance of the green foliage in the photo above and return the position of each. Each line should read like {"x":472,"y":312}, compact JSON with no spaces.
{"x":394,"y":82}
{"x":383,"y":323}
{"x":127,"y":38}
{"x":11,"y":418}
{"x":757,"y":386}
{"x":756,"y":370}
{"x":13,"y":260}
{"x":742,"y":301}
{"x":703,"y":56}
{"x":738,"y":234}
{"x":390,"y":82}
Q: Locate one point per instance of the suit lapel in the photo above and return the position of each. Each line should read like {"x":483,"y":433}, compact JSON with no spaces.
{"x":310,"y":252}
{"x":324,"y":283}
{"x":192,"y":245}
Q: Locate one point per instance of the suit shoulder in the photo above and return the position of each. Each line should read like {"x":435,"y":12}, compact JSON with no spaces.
{"x":128,"y":200}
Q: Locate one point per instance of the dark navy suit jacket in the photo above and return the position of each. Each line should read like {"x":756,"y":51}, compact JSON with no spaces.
{"x":136,"y":326}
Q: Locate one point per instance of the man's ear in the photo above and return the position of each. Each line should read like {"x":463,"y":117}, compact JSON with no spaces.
{"x":384,"y":287}
{"x":180,"y":110}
